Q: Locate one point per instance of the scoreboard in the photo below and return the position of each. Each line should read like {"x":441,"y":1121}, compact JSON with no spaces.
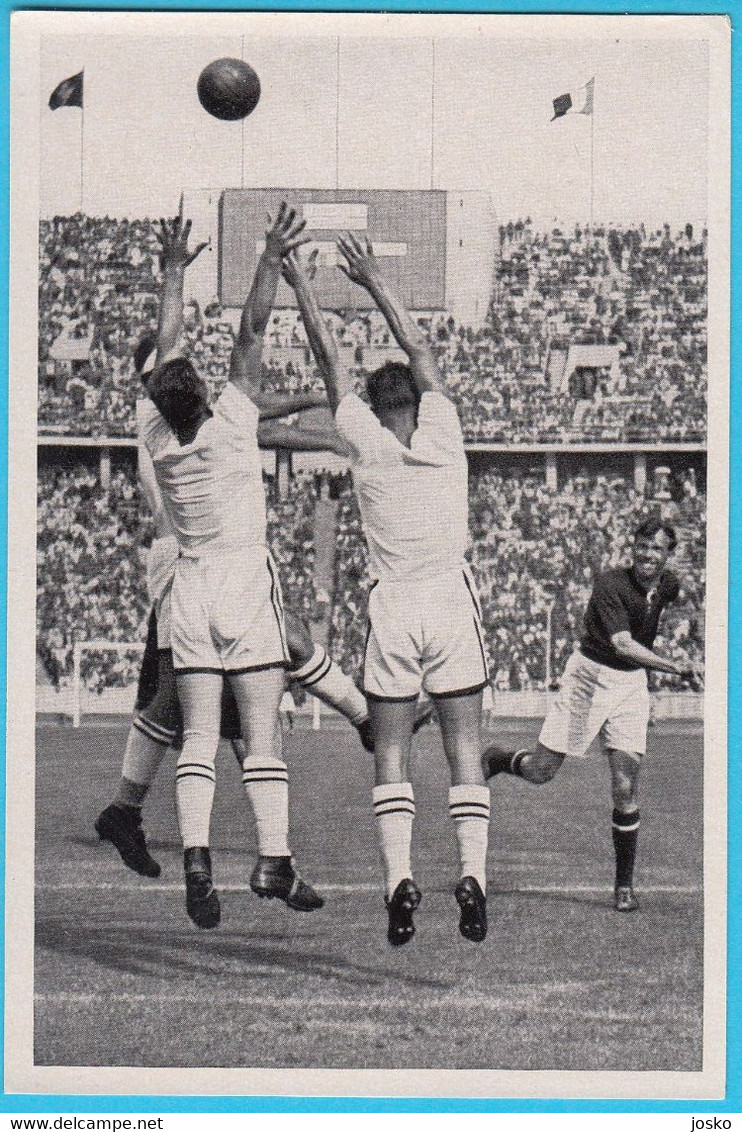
{"x":406,"y":227}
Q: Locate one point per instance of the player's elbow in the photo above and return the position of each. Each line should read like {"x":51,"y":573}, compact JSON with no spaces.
{"x":623,"y":643}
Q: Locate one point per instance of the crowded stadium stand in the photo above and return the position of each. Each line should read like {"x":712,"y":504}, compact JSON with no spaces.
{"x":91,"y":546}
{"x":535,"y":552}
{"x":583,"y":402}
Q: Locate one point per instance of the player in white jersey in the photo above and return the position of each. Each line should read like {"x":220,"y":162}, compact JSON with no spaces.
{"x":157,"y":722}
{"x":227,"y":613}
{"x":424,"y":628}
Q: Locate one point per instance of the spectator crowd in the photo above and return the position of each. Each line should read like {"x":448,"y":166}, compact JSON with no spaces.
{"x":635,"y":298}
{"x":642,"y":293}
{"x":91,"y":548}
{"x":531,"y":549}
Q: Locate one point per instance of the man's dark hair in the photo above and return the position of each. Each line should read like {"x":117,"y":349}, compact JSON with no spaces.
{"x":650,"y":527}
{"x":392,"y":387}
{"x":178,"y":393}
{"x":143,"y":351}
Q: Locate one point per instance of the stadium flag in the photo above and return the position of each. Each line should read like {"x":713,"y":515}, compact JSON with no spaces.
{"x":581,"y":101}
{"x":68,"y":93}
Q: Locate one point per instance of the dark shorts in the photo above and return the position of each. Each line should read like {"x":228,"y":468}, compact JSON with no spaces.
{"x":149,"y":681}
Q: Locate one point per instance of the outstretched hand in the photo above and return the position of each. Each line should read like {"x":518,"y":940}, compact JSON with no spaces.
{"x":173,"y":236}
{"x":295,"y":268}
{"x":361,"y":267}
{"x":284,"y":234}
{"x":692,"y":674}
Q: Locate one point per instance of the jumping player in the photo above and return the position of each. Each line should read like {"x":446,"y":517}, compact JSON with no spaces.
{"x":157,"y":723}
{"x":227,"y":614}
{"x":604,"y":691}
{"x":424,"y":631}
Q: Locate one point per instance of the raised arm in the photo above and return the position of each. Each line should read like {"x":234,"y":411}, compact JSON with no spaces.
{"x":272,"y":435}
{"x":284,"y":404}
{"x":175,"y":257}
{"x":336,"y":378}
{"x":282,"y":236}
{"x":362,"y":268}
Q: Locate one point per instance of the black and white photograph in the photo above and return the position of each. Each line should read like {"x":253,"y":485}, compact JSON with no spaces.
{"x":368,"y":473}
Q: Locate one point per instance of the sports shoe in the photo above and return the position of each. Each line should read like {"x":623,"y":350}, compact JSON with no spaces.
{"x":624,"y":899}
{"x":122,"y":826}
{"x":473,"y":904}
{"x":202,"y":899}
{"x":496,"y":760}
{"x":403,"y":902}
{"x":278,"y":877}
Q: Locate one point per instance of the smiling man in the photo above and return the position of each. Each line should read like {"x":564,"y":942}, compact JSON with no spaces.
{"x":604,"y":690}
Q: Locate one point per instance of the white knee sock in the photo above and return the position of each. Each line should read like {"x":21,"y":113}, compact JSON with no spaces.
{"x":323,"y":678}
{"x":146,"y":747}
{"x":194,"y":787}
{"x":469,"y":806}
{"x":266,"y":782}
{"x":394,"y":806}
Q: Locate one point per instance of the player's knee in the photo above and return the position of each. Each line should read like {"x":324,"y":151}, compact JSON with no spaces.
{"x":163,"y":710}
{"x":624,"y":793}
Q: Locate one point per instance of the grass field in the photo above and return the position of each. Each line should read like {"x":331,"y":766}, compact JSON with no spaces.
{"x":562,"y":981}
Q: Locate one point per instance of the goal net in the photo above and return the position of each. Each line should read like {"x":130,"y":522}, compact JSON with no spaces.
{"x":83,"y":701}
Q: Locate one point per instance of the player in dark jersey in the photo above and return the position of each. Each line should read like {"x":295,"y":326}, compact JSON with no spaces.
{"x":604,"y":691}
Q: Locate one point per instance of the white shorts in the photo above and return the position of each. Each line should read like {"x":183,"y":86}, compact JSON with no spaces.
{"x":424,"y":634}
{"x":597,"y":700}
{"x":227,"y":613}
{"x":161,"y":561}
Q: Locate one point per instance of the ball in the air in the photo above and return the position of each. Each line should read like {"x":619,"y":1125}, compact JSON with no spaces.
{"x":229,"y":89}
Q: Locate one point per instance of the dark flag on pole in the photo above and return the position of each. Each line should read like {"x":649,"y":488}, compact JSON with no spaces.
{"x":68,"y":93}
{"x":581,"y":101}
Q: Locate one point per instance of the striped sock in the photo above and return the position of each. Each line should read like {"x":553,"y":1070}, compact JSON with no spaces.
{"x":145,"y":749}
{"x":394,"y":806}
{"x":469,"y":806}
{"x":195,"y":778}
{"x":323,"y":678}
{"x":625,"y":839}
{"x":266,"y":782}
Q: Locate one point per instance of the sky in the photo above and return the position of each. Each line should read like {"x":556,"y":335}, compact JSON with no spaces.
{"x":365,"y":112}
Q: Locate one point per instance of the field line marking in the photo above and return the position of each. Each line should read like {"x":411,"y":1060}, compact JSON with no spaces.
{"x":302,"y":1003}
{"x":515,"y":890}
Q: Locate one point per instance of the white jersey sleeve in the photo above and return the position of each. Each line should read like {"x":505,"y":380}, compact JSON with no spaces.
{"x":360,"y":427}
{"x":439,"y":426}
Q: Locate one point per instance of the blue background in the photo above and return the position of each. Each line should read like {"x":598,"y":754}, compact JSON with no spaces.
{"x":733,"y":1101}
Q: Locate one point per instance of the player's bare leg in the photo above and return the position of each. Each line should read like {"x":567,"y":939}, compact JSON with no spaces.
{"x":469,"y":806}
{"x":266,"y":780}
{"x":624,"y":767}
{"x":322,"y":677}
{"x":152,"y":732}
{"x":394,"y":806}
{"x":537,"y":766}
{"x":200,"y":695}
